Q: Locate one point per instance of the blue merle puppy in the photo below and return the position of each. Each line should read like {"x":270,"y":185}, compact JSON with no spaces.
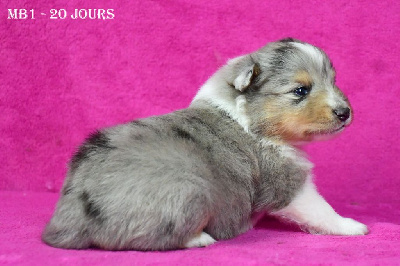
{"x":205,"y":173}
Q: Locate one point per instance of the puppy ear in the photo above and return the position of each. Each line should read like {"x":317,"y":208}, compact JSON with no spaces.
{"x":289,"y":39}
{"x":246,"y":76}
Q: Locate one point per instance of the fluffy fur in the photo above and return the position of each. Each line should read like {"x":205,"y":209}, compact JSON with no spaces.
{"x":205,"y":173}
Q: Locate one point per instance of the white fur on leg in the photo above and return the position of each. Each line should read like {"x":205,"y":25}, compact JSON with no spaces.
{"x":201,"y":240}
{"x":310,"y":210}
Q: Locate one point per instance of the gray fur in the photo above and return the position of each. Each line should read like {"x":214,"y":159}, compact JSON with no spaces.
{"x":155,"y":183}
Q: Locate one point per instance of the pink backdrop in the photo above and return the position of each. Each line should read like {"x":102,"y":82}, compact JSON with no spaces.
{"x":61,"y":79}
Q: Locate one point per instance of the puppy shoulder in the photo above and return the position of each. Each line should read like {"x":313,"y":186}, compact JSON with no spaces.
{"x":284,"y":151}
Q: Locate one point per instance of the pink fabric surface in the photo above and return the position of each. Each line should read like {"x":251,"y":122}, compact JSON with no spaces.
{"x":61,"y":79}
{"x":23,"y":215}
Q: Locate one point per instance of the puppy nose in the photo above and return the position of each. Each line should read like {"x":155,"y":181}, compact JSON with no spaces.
{"x":342,"y":113}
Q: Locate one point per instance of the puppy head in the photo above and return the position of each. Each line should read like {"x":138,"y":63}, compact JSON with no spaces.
{"x":290,"y":92}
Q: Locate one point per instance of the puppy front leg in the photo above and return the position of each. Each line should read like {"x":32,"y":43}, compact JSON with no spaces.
{"x":310,"y":210}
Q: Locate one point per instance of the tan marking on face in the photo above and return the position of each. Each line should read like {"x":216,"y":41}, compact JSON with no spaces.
{"x":317,"y":111}
{"x":298,"y":123}
{"x":303,"y":77}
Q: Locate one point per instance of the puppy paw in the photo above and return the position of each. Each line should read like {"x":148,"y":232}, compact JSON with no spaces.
{"x":342,"y":226}
{"x":201,"y":240}
{"x":348,"y":226}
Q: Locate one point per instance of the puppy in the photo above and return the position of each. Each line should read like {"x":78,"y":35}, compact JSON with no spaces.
{"x":205,"y":173}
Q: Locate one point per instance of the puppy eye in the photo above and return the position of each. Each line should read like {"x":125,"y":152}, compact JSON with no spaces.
{"x":302,"y":91}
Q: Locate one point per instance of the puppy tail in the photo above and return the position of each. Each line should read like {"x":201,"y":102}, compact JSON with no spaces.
{"x":67,"y":229}
{"x":64,"y":238}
